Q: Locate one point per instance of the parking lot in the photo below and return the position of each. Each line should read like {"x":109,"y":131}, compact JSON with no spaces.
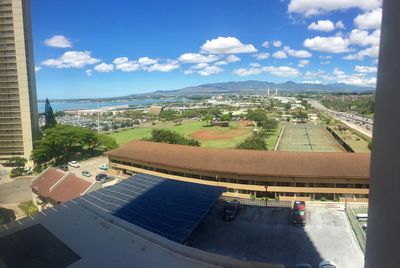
{"x":265,"y":234}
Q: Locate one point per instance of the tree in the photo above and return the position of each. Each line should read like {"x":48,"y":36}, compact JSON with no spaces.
{"x":17,"y":161}
{"x":50,"y":119}
{"x":171,"y":137}
{"x":287,"y":106}
{"x":303,"y":116}
{"x":63,"y":143}
{"x":257,"y":115}
{"x":269,"y":124}
{"x":226,"y":117}
{"x":254,"y":142}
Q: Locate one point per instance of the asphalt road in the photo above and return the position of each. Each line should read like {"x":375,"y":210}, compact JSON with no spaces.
{"x":16,"y":191}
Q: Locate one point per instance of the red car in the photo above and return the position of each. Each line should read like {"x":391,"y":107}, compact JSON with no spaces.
{"x":299,"y":215}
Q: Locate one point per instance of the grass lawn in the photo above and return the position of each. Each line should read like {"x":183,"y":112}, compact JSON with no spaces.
{"x":271,"y":140}
{"x":358,"y":144}
{"x":217,"y":137}
{"x":28,"y":208}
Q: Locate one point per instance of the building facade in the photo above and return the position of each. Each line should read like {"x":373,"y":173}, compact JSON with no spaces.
{"x":280,"y":175}
{"x":18,"y":101}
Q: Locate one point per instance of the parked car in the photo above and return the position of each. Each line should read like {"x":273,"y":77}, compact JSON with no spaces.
{"x":27,"y":171}
{"x":86,"y":173}
{"x":231,"y":210}
{"x":103,"y":178}
{"x":103,"y":167}
{"x":74,"y":164}
{"x":299,"y":215}
{"x":63,"y":167}
{"x":327,"y":264}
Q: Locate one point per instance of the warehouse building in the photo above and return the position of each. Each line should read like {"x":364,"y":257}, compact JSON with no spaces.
{"x":280,"y":175}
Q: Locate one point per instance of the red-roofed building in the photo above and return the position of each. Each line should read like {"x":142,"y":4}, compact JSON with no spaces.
{"x":54,"y":186}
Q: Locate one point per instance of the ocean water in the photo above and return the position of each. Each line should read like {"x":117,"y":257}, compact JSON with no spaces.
{"x":70,"y":105}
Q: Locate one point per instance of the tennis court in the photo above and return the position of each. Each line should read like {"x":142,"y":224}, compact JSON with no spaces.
{"x":308,"y":138}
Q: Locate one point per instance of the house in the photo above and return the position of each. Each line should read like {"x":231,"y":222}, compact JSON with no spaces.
{"x":220,"y":123}
{"x":53,"y":186}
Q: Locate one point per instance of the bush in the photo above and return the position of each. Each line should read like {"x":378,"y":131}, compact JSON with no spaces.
{"x":254,"y":142}
{"x":323,"y":199}
{"x":16,"y":172}
{"x":6,"y":215}
{"x":171,"y":137}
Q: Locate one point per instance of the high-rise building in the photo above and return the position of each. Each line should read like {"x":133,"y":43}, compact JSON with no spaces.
{"x":18,"y":103}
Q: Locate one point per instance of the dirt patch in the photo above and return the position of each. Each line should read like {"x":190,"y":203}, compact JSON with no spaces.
{"x":217,"y":134}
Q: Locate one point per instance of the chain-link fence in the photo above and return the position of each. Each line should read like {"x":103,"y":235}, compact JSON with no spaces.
{"x":359,"y":227}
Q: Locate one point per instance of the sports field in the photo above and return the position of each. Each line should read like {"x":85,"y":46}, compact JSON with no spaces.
{"x":308,"y":138}
{"x":216,"y":137}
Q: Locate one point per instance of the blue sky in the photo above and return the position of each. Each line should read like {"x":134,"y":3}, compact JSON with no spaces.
{"x":114,"y":48}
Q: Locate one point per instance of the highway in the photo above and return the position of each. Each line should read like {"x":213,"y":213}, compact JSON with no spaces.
{"x":359,"y":123}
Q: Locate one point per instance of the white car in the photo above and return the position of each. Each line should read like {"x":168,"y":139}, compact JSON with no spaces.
{"x":74,"y":164}
{"x":103,"y":167}
{"x":327,"y":264}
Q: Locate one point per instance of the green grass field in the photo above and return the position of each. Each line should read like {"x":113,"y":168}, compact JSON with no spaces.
{"x":215,"y":137}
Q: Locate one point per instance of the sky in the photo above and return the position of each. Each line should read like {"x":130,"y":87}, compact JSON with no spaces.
{"x":90,"y":49}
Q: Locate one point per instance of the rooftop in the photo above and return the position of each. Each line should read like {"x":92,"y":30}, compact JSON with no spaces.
{"x":248,"y":162}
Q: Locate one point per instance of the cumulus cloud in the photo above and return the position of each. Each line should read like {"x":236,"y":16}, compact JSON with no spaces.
{"x":232,"y":58}
{"x":255,"y":64}
{"x":280,"y":54}
{"x":222,"y":62}
{"x":38,"y":68}
{"x":303,"y":63}
{"x":197,"y":58}
{"x":89,"y":72}
{"x":261,"y":56}
{"x":59,"y":41}
{"x":315,"y":7}
{"x":200,"y":65}
{"x":277,"y":43}
{"x":168,"y":66}
{"x":312,"y":82}
{"x":246,"y":72}
{"x":72,"y":59}
{"x":104,"y":68}
{"x":322,"y":25}
{"x":265,"y":44}
{"x":335,"y":44}
{"x":125,"y":65}
{"x":147,"y":61}
{"x":369,"y":20}
{"x":282,"y":71}
{"x":339,"y":25}
{"x":372,"y":52}
{"x":297,"y":53}
{"x":363,"y":38}
{"x":227,"y":45}
{"x":365,"y":69}
{"x":210,"y":70}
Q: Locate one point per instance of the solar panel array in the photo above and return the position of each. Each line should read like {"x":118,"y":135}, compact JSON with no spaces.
{"x":167,"y":207}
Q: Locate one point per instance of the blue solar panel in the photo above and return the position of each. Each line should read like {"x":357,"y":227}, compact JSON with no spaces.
{"x":167,"y":207}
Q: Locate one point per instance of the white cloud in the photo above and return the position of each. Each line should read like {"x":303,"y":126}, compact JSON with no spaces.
{"x":222,"y":62}
{"x":265,"y":44}
{"x":365,"y":69}
{"x":312,"y":82}
{"x":104,"y":68}
{"x":357,"y":80}
{"x":339,"y":25}
{"x":59,"y":41}
{"x":255,"y":64}
{"x":336,"y":71}
{"x":369,"y":20}
{"x":363,"y":38}
{"x":147,"y":61}
{"x":38,"y":68}
{"x":315,"y":7}
{"x":297,"y":53}
{"x":282,"y":71}
{"x":197,"y":58}
{"x":334,"y":44}
{"x":200,"y":65}
{"x":72,"y":59}
{"x":280,"y":54}
{"x":232,"y":58}
{"x":261,"y":56}
{"x":325,"y":57}
{"x":372,"y":52}
{"x":186,"y":72}
{"x":168,"y":66}
{"x":303,"y":63}
{"x":277,"y":43}
{"x":89,"y":72}
{"x":322,"y":25}
{"x":227,"y":45}
{"x":210,"y":70}
{"x":246,"y":72}
{"x":125,"y":65}
{"x":325,"y":62}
